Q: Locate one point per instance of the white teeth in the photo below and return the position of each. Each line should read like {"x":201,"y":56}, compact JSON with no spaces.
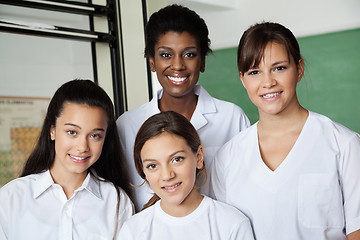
{"x":77,"y":158}
{"x":271,"y":95}
{"x":177,"y":79}
{"x":172,"y":187}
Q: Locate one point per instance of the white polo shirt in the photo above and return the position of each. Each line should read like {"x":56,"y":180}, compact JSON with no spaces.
{"x":313,"y":194}
{"x":210,"y":220}
{"x":34,"y":207}
{"x":216,"y":122}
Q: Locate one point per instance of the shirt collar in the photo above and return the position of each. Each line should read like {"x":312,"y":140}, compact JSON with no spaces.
{"x":204,"y":106}
{"x":205,"y":103}
{"x":154,"y":104}
{"x":44,"y":181}
{"x":92,"y":184}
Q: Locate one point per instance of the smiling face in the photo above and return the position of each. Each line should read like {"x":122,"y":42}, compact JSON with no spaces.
{"x":177,"y":62}
{"x":271,"y":86}
{"x":170,"y":167}
{"x":79,"y":136}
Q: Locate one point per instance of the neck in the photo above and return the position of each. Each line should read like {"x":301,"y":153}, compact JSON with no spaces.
{"x":69,"y":183}
{"x":184,"y":105}
{"x":283,"y":122}
{"x":189,"y":205}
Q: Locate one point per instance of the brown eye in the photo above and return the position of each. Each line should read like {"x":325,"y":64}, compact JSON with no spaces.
{"x":151,"y":166}
{"x":71,"y":132}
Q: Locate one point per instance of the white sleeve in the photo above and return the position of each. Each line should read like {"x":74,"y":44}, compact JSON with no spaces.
{"x":244,"y":122}
{"x":350,"y":180}
{"x":243,"y":231}
{"x":125,"y":233}
{"x":217,"y":175}
{"x":4,"y":206}
{"x":126,"y":208}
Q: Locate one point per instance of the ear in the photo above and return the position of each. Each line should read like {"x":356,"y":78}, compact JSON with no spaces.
{"x":152,"y":64}
{"x":52,"y":132}
{"x":202,"y":67}
{"x":300,"y":69}
{"x":200,"y":157}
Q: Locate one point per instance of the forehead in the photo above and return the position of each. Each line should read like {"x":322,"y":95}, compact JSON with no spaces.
{"x":275,"y":50}
{"x":163,"y":145}
{"x":82,"y":114}
{"x":271,"y":52}
{"x":173,"y":38}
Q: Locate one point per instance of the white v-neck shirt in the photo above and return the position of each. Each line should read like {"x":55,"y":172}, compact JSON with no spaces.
{"x":313,"y":194}
{"x":210,"y":220}
{"x":34,"y":207}
{"x":216,"y":122}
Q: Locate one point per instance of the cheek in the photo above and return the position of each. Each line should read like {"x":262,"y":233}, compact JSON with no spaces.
{"x":151,"y":179}
{"x":190,"y":172}
{"x":97,"y":149}
{"x":62,"y":144}
{"x":251,"y":89}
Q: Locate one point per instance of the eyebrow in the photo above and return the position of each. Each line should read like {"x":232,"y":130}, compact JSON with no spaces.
{"x":170,"y":156}
{"x":186,"y":49}
{"x":280,"y":62}
{"x":274,"y":64}
{"x":77,"y":126}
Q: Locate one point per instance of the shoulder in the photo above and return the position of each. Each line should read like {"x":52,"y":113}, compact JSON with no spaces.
{"x":19,"y":185}
{"x":238,"y":145}
{"x":134,"y":114}
{"x":142,"y":218}
{"x":329,"y":128}
{"x":229,"y":220}
{"x":221,"y":112}
{"x":107,"y":188}
{"x":221,"y":105}
{"x":138,"y":226}
{"x":114,"y":196}
{"x":226,"y":211}
{"x":129,"y":122}
{"x":241,"y":139}
{"x":17,"y":190}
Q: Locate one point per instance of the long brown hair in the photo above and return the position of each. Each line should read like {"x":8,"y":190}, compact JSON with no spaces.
{"x":170,"y":122}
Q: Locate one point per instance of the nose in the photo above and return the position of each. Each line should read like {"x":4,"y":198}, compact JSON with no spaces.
{"x":82,"y":145}
{"x":177,"y":63}
{"x":167,"y":173}
{"x":269,"y":81}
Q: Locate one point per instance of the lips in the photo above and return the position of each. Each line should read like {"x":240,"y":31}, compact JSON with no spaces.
{"x":177,"y":79}
{"x":78,"y":159}
{"x":171,"y":187}
{"x":271,"y":95}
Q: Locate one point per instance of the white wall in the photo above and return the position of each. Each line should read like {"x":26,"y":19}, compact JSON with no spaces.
{"x":227,"y":22}
{"x":228,"y":19}
{"x":20,"y":75}
{"x":133,"y":47}
{"x":35,"y":66}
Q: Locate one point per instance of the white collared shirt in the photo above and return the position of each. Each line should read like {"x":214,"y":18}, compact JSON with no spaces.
{"x":216,"y":122}
{"x":34,"y":207}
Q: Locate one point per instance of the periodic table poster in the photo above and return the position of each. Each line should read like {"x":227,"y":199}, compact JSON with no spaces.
{"x":21,"y":120}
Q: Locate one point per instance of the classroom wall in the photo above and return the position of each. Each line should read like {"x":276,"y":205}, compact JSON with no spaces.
{"x":227,"y":19}
{"x":330,"y":86}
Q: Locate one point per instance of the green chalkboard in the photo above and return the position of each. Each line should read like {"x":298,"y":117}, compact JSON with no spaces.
{"x":330,"y":86}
